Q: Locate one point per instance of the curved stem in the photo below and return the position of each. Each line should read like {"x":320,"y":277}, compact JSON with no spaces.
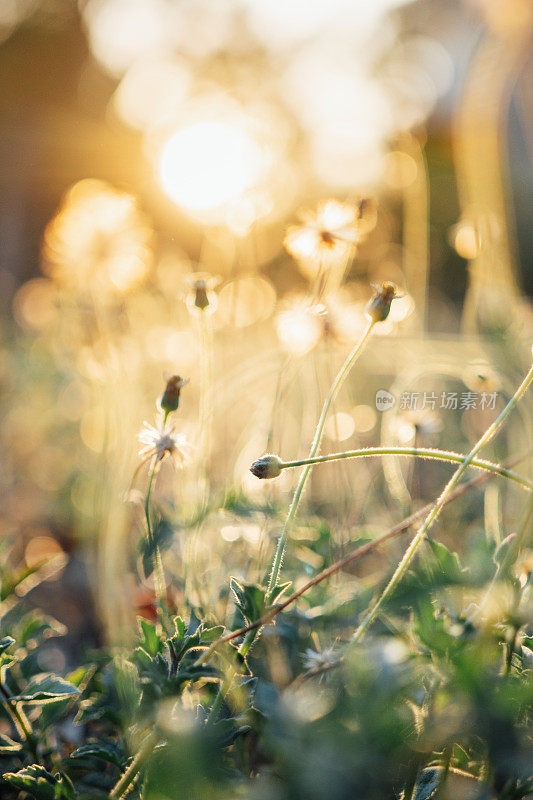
{"x":422,"y":452}
{"x":402,"y":567}
{"x":317,"y":439}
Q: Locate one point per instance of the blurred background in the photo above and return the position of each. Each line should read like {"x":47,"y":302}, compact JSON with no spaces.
{"x":152,"y":155}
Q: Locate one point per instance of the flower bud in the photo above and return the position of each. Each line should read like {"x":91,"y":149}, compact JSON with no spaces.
{"x":201,"y":297}
{"x":268,"y":466}
{"x":171,"y":396}
{"x":379,"y":306}
{"x":201,"y":300}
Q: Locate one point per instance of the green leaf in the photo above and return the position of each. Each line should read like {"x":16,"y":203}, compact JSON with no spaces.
{"x":105,"y":751}
{"x":279,"y":590}
{"x":427,"y":783}
{"x":249,"y":599}
{"x":210,"y":635}
{"x":181,"y":628}
{"x":41,"y":784}
{"x":152,"y":641}
{"x":459,"y":756}
{"x":445,"y":561}
{"x":47,"y":688}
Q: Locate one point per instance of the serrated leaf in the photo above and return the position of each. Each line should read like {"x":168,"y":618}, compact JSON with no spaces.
{"x":41,"y":784}
{"x":249,"y":599}
{"x":47,"y":688}
{"x":181,"y":628}
{"x":210,"y":635}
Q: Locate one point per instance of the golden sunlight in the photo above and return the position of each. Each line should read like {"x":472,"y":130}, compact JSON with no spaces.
{"x":207,"y":165}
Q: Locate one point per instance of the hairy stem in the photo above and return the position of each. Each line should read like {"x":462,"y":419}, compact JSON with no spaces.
{"x":421,"y":452}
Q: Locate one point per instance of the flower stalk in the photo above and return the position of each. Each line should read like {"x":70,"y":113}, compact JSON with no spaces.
{"x":270,"y":466}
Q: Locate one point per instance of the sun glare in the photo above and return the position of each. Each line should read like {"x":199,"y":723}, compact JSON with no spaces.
{"x":207,"y":165}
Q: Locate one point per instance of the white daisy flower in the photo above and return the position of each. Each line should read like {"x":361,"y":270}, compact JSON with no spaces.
{"x":329,"y":233}
{"x":161,"y":440}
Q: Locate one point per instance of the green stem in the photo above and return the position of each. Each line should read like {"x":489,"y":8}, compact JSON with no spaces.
{"x":126,"y":781}
{"x":317,"y":439}
{"x":510,"y":650}
{"x":21,"y":722}
{"x":422,"y":452}
{"x":420,"y":535}
{"x":159,"y":575}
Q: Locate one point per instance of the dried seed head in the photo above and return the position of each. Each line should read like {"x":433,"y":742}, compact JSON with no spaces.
{"x":171,"y":396}
{"x":268,"y":466}
{"x":379,"y":306}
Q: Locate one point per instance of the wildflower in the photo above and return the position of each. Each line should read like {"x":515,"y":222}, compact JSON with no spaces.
{"x":379,"y":306}
{"x":268,"y":466}
{"x":161,"y":440}
{"x":99,"y":237}
{"x":171,"y":396}
{"x":327,"y":659}
{"x":332,"y":230}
